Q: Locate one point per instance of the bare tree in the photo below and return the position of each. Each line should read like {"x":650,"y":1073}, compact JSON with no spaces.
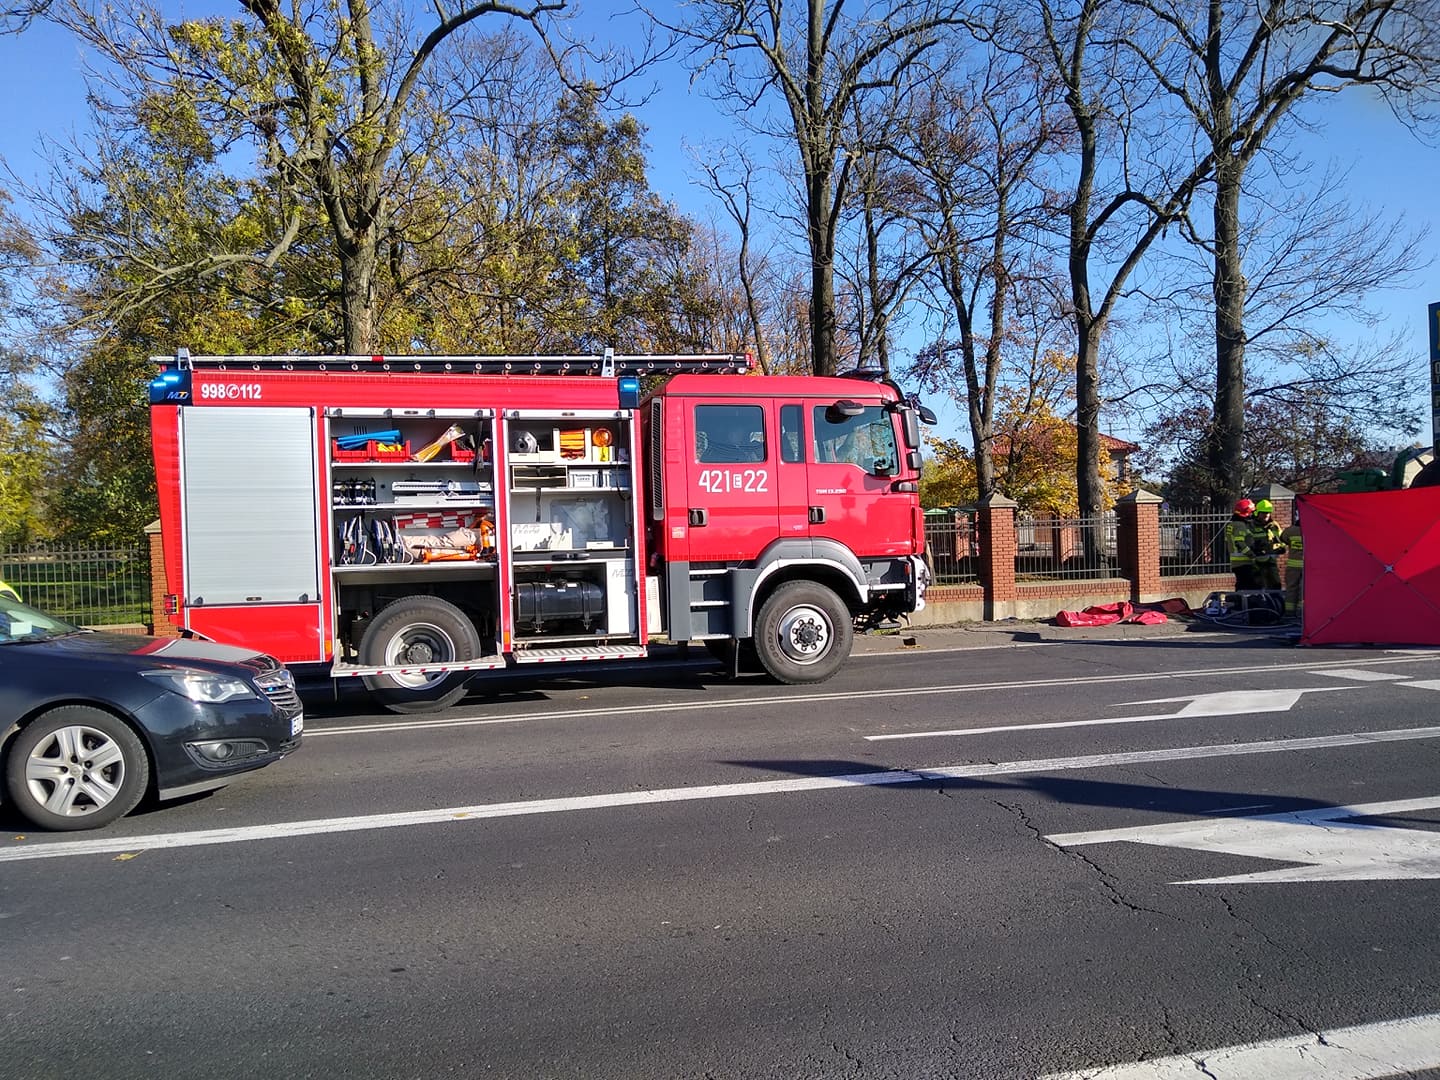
{"x":889,"y":255}
{"x":1238,"y":70}
{"x":1306,"y":260}
{"x":1132,"y":180}
{"x":15,"y":18}
{"x":730,"y":177}
{"x":978,"y":145}
{"x":823,"y":59}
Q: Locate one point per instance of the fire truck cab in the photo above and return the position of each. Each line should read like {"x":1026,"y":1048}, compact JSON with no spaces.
{"x":419,"y":521}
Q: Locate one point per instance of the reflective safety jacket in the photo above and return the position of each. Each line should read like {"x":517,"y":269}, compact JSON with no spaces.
{"x":1238,"y":540}
{"x":1265,"y":541}
{"x":1295,"y":543}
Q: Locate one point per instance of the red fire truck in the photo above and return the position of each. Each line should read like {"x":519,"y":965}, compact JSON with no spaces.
{"x":418,"y":521}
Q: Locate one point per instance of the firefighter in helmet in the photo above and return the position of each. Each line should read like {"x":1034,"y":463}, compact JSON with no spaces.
{"x":1265,"y":545}
{"x":1238,"y":545}
{"x":1294,"y":564}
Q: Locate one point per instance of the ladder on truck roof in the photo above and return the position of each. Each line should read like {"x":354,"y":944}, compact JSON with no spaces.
{"x":608,"y":364}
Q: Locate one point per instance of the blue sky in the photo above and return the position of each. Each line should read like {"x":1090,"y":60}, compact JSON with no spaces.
{"x":40,"y":79}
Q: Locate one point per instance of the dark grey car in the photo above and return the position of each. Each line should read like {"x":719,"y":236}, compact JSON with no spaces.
{"x":91,"y":722}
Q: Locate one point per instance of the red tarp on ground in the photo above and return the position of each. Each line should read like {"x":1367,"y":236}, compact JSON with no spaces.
{"x":1372,"y":568}
{"x":1123,"y":612}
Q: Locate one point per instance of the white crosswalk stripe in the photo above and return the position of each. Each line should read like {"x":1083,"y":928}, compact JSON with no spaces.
{"x":1363,"y":1052}
{"x":1359,"y":675}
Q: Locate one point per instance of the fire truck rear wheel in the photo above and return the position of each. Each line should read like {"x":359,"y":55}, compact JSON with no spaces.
{"x":419,"y":630}
{"x":804,"y":633}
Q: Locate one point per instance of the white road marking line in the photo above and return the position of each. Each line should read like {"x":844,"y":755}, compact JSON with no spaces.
{"x":438,"y":723}
{"x":1226,"y":703}
{"x":1424,"y":684}
{"x":1362,"y":1052}
{"x":1358,"y":674}
{"x":1355,"y":852}
{"x":51,"y":849}
{"x":1237,"y":809}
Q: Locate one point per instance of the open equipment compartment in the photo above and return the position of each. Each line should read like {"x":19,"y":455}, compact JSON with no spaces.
{"x":572,"y":528}
{"x":412,"y":511}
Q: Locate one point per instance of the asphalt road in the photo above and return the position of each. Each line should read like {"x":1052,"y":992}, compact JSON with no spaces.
{"x":909,"y":871}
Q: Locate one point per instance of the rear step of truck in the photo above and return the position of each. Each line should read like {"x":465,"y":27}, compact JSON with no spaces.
{"x":560,"y":655}
{"x":480,"y":663}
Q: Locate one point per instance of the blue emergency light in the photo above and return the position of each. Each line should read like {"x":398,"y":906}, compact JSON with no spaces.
{"x":629,"y":392}
{"x":171,"y":387}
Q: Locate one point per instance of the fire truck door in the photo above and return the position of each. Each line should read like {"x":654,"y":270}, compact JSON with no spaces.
{"x":732,"y":489}
{"x":250,"y":521}
{"x":854,"y":462}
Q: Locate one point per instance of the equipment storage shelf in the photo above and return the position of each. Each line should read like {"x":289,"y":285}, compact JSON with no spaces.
{"x":412,"y":493}
{"x":468,"y":466}
{"x":388,"y":573}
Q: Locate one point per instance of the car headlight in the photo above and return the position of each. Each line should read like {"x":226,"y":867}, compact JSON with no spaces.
{"x":206,"y":686}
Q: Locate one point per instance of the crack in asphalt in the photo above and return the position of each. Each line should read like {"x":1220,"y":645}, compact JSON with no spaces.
{"x":1112,"y":890}
{"x":1234,"y":914}
{"x":1167,"y":1022}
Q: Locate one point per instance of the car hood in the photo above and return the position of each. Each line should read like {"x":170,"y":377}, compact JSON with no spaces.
{"x":187,"y":652}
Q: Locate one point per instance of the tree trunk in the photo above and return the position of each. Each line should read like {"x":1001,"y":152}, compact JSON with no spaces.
{"x":357,"y":296}
{"x":982,"y":425}
{"x":1089,"y":484}
{"x":1227,"y":444}
{"x":822,"y":279}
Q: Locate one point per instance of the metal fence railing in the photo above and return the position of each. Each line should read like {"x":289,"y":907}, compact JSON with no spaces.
{"x":952,"y":543}
{"x":1048,"y":549}
{"x":1192,"y":543}
{"x":86,"y":585}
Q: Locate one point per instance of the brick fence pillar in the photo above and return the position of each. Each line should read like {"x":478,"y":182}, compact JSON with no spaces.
{"x":996,"y":519}
{"x":160,"y":626}
{"x":1137,"y":541}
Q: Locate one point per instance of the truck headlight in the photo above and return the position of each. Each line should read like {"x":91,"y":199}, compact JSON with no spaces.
{"x":204,"y":686}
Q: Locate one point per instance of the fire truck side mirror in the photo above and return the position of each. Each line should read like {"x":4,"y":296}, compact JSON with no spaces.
{"x":914,"y":460}
{"x":910,"y":429}
{"x":927,"y":415}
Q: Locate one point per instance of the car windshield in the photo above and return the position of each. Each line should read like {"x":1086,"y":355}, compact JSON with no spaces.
{"x":20,"y":622}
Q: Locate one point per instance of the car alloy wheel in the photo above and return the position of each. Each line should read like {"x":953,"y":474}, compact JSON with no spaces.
{"x":76,"y":768}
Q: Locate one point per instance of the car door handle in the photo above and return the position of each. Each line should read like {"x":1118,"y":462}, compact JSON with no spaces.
{"x":817,"y":515}
{"x":699,"y":518}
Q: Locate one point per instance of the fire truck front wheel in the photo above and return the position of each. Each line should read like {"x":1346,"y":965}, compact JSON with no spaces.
{"x":804,"y":633}
{"x":418,"y":630}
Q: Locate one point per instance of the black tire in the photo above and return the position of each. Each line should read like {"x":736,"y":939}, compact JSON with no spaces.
{"x":804,"y":633}
{"x":419,"y":630}
{"x":76,"y":767}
